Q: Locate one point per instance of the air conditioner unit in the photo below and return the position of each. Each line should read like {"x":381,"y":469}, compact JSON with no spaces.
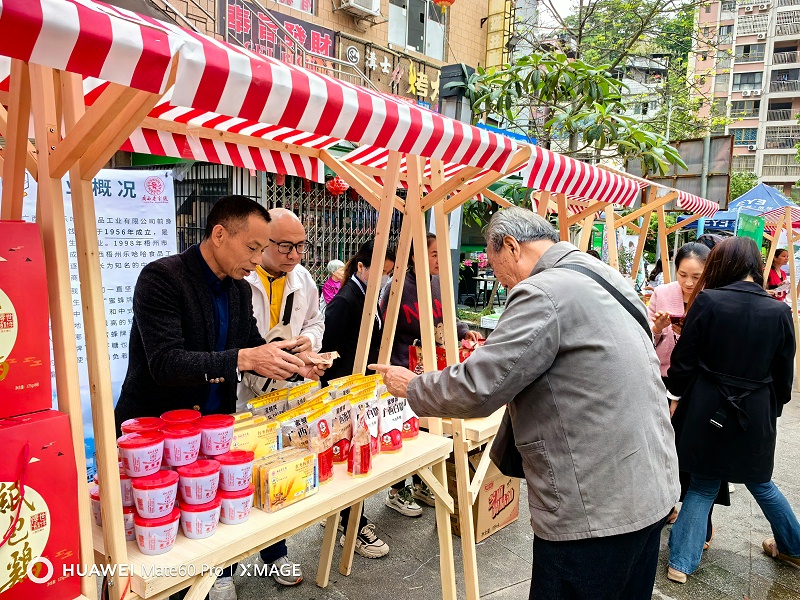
{"x":745,"y":93}
{"x":764,"y":6}
{"x":367,"y":7}
{"x":752,"y":147}
{"x":756,"y":92}
{"x":761,"y":36}
{"x":748,"y":9}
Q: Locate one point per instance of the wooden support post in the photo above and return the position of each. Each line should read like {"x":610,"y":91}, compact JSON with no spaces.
{"x":346,"y":561}
{"x":651,"y":205}
{"x":16,"y":134}
{"x":50,"y":218}
{"x":773,"y":247}
{"x":378,"y":257}
{"x":366,"y":186}
{"x":611,"y":237}
{"x":586,"y":233}
{"x":499,"y":200}
{"x":563,"y":217}
{"x":683,"y":223}
{"x":643,"y":231}
{"x":95,"y":334}
{"x":586,"y":212}
{"x":544,"y":200}
{"x":662,"y":237}
{"x":326,"y":552}
{"x":395,"y":292}
{"x":793,"y":284}
{"x":415,"y":214}
{"x":443,"y":190}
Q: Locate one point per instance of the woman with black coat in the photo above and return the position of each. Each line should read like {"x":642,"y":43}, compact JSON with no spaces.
{"x":731,"y":371}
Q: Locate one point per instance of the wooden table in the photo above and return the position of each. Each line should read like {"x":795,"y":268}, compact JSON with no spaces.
{"x":233,"y":543}
{"x":495,"y":284}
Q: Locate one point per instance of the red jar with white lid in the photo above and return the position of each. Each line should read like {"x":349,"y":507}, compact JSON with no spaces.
{"x":157,"y":536}
{"x":181,"y":444}
{"x":154,"y":495}
{"x":141,"y":453}
{"x":199,"y":481}
{"x":236,"y":470}
{"x":217,"y":434}
{"x":236,"y":506}
{"x":200,"y":521}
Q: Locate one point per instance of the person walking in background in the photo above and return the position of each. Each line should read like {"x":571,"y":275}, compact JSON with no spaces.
{"x":595,"y":445}
{"x":342,"y":327}
{"x":730,"y":375}
{"x":332,"y":285}
{"x":777,"y":276}
{"x":401,"y":497}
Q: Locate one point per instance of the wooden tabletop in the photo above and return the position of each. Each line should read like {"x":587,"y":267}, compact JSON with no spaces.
{"x":232,"y":543}
{"x":476,"y":430}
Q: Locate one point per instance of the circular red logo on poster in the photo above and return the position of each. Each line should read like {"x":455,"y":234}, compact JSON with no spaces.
{"x":154,"y":186}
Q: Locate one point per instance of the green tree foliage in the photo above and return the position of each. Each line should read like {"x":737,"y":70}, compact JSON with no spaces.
{"x":741,"y":183}
{"x":579,"y":99}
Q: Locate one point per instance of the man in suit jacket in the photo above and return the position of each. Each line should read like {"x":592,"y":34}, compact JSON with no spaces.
{"x":586,"y":405}
{"x":193,"y":332}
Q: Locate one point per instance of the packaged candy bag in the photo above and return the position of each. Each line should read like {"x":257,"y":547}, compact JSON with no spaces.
{"x":390,"y":423}
{"x":320,"y":442}
{"x":410,"y":422}
{"x":359,"y":460}
{"x":467,"y":348}
{"x":370,"y":410}
{"x":342,"y":425}
{"x":415,"y":358}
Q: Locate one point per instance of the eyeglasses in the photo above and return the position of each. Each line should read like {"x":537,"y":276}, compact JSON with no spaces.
{"x":286,"y":247}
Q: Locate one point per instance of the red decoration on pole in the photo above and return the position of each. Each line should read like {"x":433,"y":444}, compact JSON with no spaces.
{"x":280,"y":179}
{"x":307,"y":185}
{"x":336,"y":186}
{"x":443,"y":4}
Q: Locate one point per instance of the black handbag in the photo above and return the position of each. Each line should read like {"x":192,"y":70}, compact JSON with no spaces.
{"x":504,"y":452}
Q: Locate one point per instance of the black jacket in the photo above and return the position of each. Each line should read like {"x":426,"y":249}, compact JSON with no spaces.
{"x":342,"y":326}
{"x":172,"y":340}
{"x":733,"y":363}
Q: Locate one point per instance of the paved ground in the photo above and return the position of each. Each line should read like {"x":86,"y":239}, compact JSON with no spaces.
{"x":734,"y":566}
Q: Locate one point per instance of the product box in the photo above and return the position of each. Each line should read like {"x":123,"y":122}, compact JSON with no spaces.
{"x":288,"y":480}
{"x":37,"y":450}
{"x":261,"y":438}
{"x":497,"y":504}
{"x":24,"y":335}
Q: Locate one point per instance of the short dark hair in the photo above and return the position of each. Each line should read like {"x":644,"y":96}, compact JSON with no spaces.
{"x":730,"y":261}
{"x":691,"y":250}
{"x":232,"y":212}
{"x":429,"y":239}
{"x":364,"y":256}
{"x":710,"y":240}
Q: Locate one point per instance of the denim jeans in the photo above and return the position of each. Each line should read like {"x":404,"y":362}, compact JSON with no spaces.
{"x":688,"y":533}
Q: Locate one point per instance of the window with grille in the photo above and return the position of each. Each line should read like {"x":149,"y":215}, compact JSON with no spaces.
{"x":750,"y":53}
{"x":728,"y":6}
{"x":782,"y":138}
{"x":744,"y":137}
{"x":743,"y":109}
{"x":723,"y":60}
{"x":744,"y":163}
{"x":750,"y":24}
{"x":747,"y":81}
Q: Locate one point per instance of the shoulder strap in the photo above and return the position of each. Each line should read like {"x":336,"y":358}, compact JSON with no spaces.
{"x":287,"y":309}
{"x":618,"y":296}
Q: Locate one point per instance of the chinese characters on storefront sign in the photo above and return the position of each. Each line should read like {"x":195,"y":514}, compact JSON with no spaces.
{"x":259,"y":33}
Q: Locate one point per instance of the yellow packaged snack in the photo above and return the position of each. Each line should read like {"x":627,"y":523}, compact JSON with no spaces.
{"x":289,"y":481}
{"x":260,"y":438}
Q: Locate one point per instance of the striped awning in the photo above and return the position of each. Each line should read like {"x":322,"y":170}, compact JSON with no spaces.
{"x":559,"y":174}
{"x":778,"y":215}
{"x":222,"y":81}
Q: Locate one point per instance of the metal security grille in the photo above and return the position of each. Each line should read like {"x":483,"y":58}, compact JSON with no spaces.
{"x":336,"y":226}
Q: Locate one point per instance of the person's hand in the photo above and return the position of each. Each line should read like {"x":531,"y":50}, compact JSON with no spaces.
{"x":396,"y":379}
{"x":473,"y":336}
{"x":771,"y":292}
{"x":271,"y":360}
{"x":660,"y":321}
{"x":677,"y":328}
{"x":673,"y":404}
{"x":312,"y":371}
{"x":302,"y":344}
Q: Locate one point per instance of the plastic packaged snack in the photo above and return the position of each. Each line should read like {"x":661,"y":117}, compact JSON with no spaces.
{"x":390,"y":423}
{"x":342,"y":426}
{"x":287,"y":480}
{"x":320,"y":442}
{"x":359,"y":460}
{"x":410,"y":422}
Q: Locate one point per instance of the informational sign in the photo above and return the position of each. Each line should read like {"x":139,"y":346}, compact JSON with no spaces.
{"x":259,"y":32}
{"x":135,"y":213}
{"x":752,"y":227}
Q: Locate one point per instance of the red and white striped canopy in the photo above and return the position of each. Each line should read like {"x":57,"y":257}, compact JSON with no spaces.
{"x":213,"y":77}
{"x":559,"y":174}
{"x":778,"y":215}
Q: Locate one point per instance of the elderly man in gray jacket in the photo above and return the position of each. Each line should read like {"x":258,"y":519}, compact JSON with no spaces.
{"x":587,"y":407}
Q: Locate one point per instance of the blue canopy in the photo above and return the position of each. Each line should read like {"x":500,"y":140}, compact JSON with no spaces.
{"x":757,"y":201}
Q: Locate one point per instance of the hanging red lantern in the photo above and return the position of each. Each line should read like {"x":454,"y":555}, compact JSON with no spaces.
{"x":307,"y":186}
{"x":443,"y":4}
{"x":336,"y":186}
{"x":280,"y":179}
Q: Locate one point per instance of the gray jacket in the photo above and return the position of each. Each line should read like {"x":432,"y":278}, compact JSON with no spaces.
{"x":585,"y":397}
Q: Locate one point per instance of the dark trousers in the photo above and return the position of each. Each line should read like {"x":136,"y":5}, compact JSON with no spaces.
{"x":345,"y":519}
{"x":415,"y":479}
{"x":617,"y":567}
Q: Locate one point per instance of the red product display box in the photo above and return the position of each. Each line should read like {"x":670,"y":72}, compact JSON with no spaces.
{"x":38,"y":458}
{"x":24,"y":335}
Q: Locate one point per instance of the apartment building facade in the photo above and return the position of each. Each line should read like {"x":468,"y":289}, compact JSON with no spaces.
{"x":747,"y":58}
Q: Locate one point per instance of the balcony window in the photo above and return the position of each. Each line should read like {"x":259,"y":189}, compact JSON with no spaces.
{"x":744,"y":163}
{"x":752,"y":24}
{"x":721,"y":82}
{"x":747,"y":81}
{"x":750,"y":53}
{"x":782,"y":138}
{"x":745,"y":109}
{"x":781,"y":165}
{"x":744,"y":137}
{"x":417,"y":25}
{"x":788,"y":23}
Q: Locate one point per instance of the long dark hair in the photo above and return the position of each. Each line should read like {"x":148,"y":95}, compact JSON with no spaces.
{"x":730,"y":261}
{"x":364,"y":256}
{"x":430,"y":238}
{"x":691,"y":250}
